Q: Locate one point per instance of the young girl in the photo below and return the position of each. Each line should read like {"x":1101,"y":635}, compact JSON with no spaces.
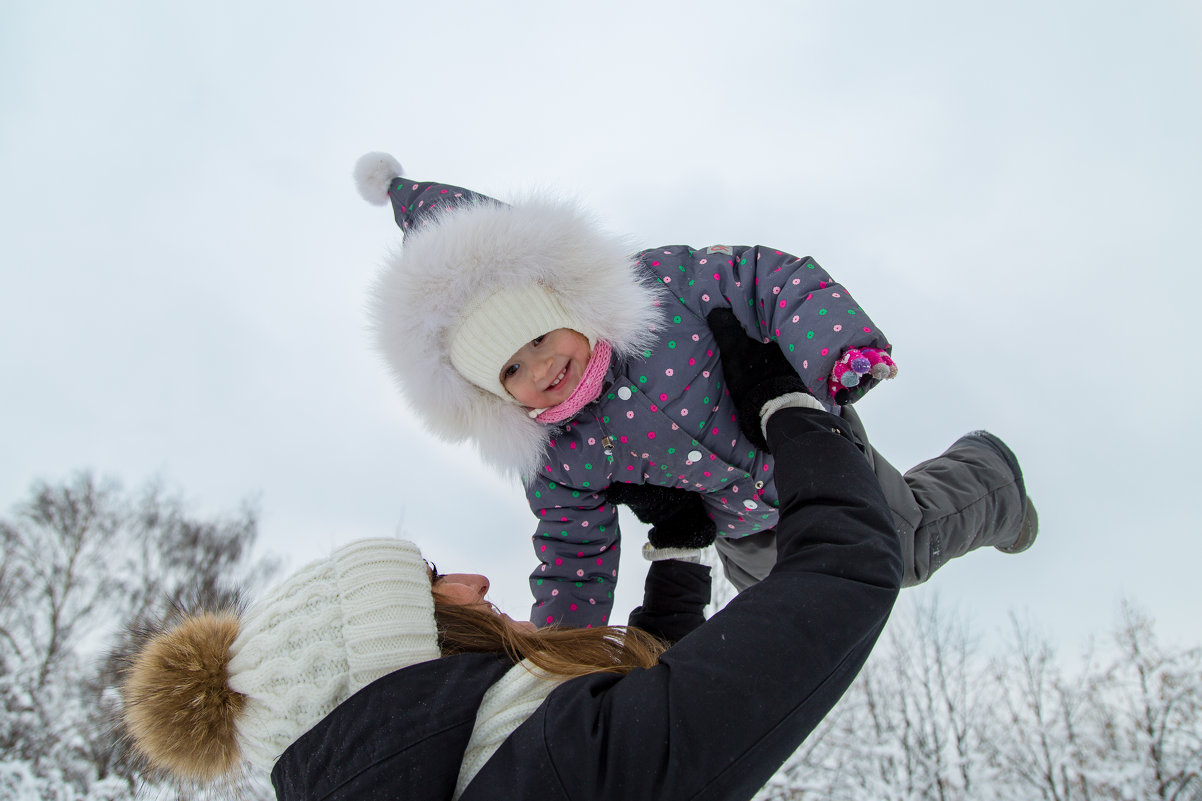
{"x":587,"y":371}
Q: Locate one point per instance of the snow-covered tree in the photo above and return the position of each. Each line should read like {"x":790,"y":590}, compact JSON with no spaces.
{"x":80,"y":561}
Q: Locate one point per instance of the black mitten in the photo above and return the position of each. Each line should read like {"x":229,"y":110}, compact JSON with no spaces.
{"x":677,"y":517}
{"x":756,"y":372}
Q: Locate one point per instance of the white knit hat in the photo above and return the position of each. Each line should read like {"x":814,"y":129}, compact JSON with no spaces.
{"x":496,"y":327}
{"x":219,"y":689}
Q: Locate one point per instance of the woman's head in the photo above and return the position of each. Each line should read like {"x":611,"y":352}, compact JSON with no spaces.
{"x":207,"y":691}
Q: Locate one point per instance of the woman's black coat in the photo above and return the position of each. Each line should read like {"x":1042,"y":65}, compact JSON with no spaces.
{"x":714,"y":720}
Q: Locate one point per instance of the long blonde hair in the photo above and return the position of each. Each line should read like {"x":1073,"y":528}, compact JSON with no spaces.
{"x":566,"y":652}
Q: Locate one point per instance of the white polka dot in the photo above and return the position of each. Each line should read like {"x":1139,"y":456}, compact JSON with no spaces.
{"x":694,"y":456}
{"x":624,"y":393}
{"x":750,"y":504}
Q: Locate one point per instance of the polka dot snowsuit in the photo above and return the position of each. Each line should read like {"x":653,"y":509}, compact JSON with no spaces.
{"x":667,"y":419}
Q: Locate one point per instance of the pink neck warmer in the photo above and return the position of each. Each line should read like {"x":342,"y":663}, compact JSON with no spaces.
{"x":586,"y":391}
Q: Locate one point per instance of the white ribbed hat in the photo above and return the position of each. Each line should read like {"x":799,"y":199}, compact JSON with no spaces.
{"x":498,"y":325}
{"x":332,"y":628}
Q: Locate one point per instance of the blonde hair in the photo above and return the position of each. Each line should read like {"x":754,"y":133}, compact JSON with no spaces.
{"x":564,"y":652}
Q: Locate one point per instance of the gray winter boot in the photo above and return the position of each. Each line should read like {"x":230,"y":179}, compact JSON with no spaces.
{"x":1027,"y":534}
{"x":1030,"y":525}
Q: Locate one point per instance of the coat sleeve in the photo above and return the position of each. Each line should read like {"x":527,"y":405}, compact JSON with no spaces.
{"x":675,"y":594}
{"x":730,"y":702}
{"x":576,"y":543}
{"x":775,"y":295}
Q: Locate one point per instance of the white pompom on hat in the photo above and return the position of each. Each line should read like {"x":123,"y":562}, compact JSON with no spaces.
{"x":374,"y":173}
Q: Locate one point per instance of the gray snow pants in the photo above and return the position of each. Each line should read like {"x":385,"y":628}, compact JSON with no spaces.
{"x":970,"y":496}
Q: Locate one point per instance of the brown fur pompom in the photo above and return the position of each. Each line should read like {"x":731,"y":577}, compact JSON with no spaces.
{"x":179,"y":710}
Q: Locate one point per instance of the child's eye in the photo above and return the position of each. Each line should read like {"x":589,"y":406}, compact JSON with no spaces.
{"x":537,"y":340}
{"x":508,"y":372}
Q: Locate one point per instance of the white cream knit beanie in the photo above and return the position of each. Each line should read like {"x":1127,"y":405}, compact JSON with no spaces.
{"x":328,"y":631}
{"x":497,"y":325}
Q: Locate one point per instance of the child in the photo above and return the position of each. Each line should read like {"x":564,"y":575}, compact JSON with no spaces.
{"x":588,"y":372}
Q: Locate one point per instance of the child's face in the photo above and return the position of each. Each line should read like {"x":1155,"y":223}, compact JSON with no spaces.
{"x":546,"y":370}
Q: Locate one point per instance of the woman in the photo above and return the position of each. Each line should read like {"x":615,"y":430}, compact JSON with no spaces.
{"x":370,"y":675}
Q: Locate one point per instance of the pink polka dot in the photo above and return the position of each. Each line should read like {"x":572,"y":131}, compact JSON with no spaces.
{"x":579,"y":573}
{"x":654,"y":408}
{"x":796,"y":281}
{"x":684,"y":412}
{"x":550,"y":619}
{"x":630,"y":415}
{"x":558,"y":562}
{"x":650,"y":435}
{"x":592,"y":441}
{"x":834,"y":294}
{"x":717,"y":277}
{"x":663,"y":396}
{"x":775,"y":290}
{"x":668,"y":372}
{"x":572,"y":607}
{"x":622,"y":438}
{"x":867,"y":330}
{"x":696,"y":338}
{"x":838,"y":328}
{"x":667,"y":280}
{"x":796,"y":318}
{"x":599,"y":561}
{"x":702,"y":261}
{"x":655,"y":264}
{"x":783,"y":303}
{"x":825,"y":351}
{"x":706,"y":298}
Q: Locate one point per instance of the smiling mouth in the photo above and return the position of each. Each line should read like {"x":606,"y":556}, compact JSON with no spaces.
{"x":559,"y":378}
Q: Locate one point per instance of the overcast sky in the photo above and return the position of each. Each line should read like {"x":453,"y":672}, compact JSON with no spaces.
{"x":1012,"y":190}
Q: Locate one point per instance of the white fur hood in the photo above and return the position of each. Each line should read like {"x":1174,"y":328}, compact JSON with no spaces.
{"x":467,"y":250}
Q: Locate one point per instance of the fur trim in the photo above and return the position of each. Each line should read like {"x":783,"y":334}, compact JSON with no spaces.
{"x":373,"y":175}
{"x":471,"y":250}
{"x":178,"y":707}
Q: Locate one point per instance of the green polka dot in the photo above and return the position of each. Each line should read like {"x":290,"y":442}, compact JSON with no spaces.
{"x":538,"y":493}
{"x":692,"y":281}
{"x":681,"y":268}
{"x":579,"y":583}
{"x":588,"y":466}
{"x":671,"y":451}
{"x":642,"y":380}
{"x":575,"y":494}
{"x":809,"y":334}
{"x":604,"y":419}
{"x":647,"y":354}
{"x":742,"y":261}
{"x":538,"y":582}
{"x":792,"y":347}
{"x":750,"y":455}
{"x":676,"y":319}
{"x":551,"y":484}
{"x":610,"y":396}
{"x":671,"y":343}
{"x":705,"y":399}
{"x":821,"y":312}
{"x":851,"y":311}
{"x":585,"y":483}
